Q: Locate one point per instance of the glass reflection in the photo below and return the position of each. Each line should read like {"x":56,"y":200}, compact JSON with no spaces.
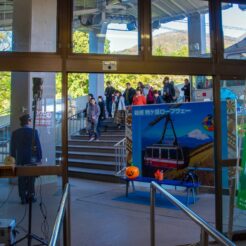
{"x":180,"y":28}
{"x":233,"y":25}
{"x":105,"y":27}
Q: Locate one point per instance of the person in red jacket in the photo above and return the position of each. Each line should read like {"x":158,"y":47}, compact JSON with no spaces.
{"x":139,"y":99}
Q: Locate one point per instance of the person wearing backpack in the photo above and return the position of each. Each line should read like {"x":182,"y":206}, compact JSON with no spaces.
{"x":109,"y":91}
{"x":168,"y":91}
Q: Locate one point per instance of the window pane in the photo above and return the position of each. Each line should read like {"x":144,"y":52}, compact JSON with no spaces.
{"x":233,"y":97}
{"x":109,"y":27}
{"x":202,"y":88}
{"x":164,"y":153}
{"x":28,"y":26}
{"x":233,"y":21}
{"x":156,"y":153}
{"x":173,"y":154}
{"x":18,"y":97}
{"x":233,"y":118}
{"x":148,"y":153}
{"x":180,"y":28}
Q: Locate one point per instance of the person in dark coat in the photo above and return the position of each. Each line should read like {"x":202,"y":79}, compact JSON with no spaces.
{"x":25,"y":153}
{"x":128,"y":94}
{"x":186,"y":90}
{"x":168,"y":91}
{"x":157,"y":97}
{"x":109,"y":91}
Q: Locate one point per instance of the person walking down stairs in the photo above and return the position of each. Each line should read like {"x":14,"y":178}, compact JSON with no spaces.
{"x":93,"y":113}
{"x":119,"y":109}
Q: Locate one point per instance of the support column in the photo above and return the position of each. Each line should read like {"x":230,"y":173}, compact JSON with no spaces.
{"x":20,"y":87}
{"x":34,"y":29}
{"x":196,"y":35}
{"x":96,"y":46}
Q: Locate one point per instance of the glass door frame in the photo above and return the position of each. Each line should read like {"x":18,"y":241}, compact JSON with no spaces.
{"x":219,"y":162}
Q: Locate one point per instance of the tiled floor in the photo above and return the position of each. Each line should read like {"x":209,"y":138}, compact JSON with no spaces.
{"x":101,"y":215}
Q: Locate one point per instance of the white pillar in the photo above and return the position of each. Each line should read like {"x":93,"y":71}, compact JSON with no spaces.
{"x":96,"y":46}
{"x":34,"y":29}
{"x":196,"y":35}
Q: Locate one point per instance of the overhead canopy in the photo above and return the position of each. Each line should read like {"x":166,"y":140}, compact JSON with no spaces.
{"x":93,"y":13}
{"x":238,"y":49}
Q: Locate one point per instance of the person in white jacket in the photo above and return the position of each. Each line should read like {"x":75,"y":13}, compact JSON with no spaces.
{"x":119,"y":109}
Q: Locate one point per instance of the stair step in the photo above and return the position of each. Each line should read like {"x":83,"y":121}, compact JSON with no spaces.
{"x":87,"y":148}
{"x":104,"y":137}
{"x":93,"y":143}
{"x":108,"y":131}
{"x":89,"y":155}
{"x":94,"y":160}
{"x":106,"y":134}
{"x":92,"y":164}
{"x":93,"y":174}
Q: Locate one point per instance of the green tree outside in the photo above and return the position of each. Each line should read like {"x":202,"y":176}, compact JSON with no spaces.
{"x":5,"y":89}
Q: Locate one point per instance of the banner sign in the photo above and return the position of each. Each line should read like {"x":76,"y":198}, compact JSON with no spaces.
{"x":44,"y":119}
{"x":173,"y":137}
{"x":170,"y":138}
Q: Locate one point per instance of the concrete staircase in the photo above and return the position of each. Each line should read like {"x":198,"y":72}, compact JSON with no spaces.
{"x":94,"y":160}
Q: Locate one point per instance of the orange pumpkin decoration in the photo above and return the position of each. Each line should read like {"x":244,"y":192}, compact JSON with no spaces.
{"x":132,"y":172}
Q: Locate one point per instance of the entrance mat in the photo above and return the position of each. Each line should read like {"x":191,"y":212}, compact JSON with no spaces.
{"x":143,"y":198}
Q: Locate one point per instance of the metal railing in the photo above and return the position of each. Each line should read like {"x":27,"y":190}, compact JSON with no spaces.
{"x":59,"y":218}
{"x":206,"y":229}
{"x":75,"y":124}
{"x":4,"y":134}
{"x":120,"y":157}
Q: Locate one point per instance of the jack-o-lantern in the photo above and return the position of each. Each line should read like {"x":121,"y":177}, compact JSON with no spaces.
{"x":132,"y":172}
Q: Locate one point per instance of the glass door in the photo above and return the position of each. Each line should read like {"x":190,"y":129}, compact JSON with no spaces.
{"x":233,"y":119}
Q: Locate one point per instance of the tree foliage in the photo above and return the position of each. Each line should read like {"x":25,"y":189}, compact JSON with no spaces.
{"x":5,"y":90}
{"x":78,"y":83}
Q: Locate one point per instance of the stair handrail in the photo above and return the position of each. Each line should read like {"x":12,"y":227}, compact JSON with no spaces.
{"x":2,"y":114}
{"x":75,"y":124}
{"x":206,"y":229}
{"x":60,"y":215}
{"x":120,"y":157}
{"x":5,"y":134}
{"x":122,"y":141}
